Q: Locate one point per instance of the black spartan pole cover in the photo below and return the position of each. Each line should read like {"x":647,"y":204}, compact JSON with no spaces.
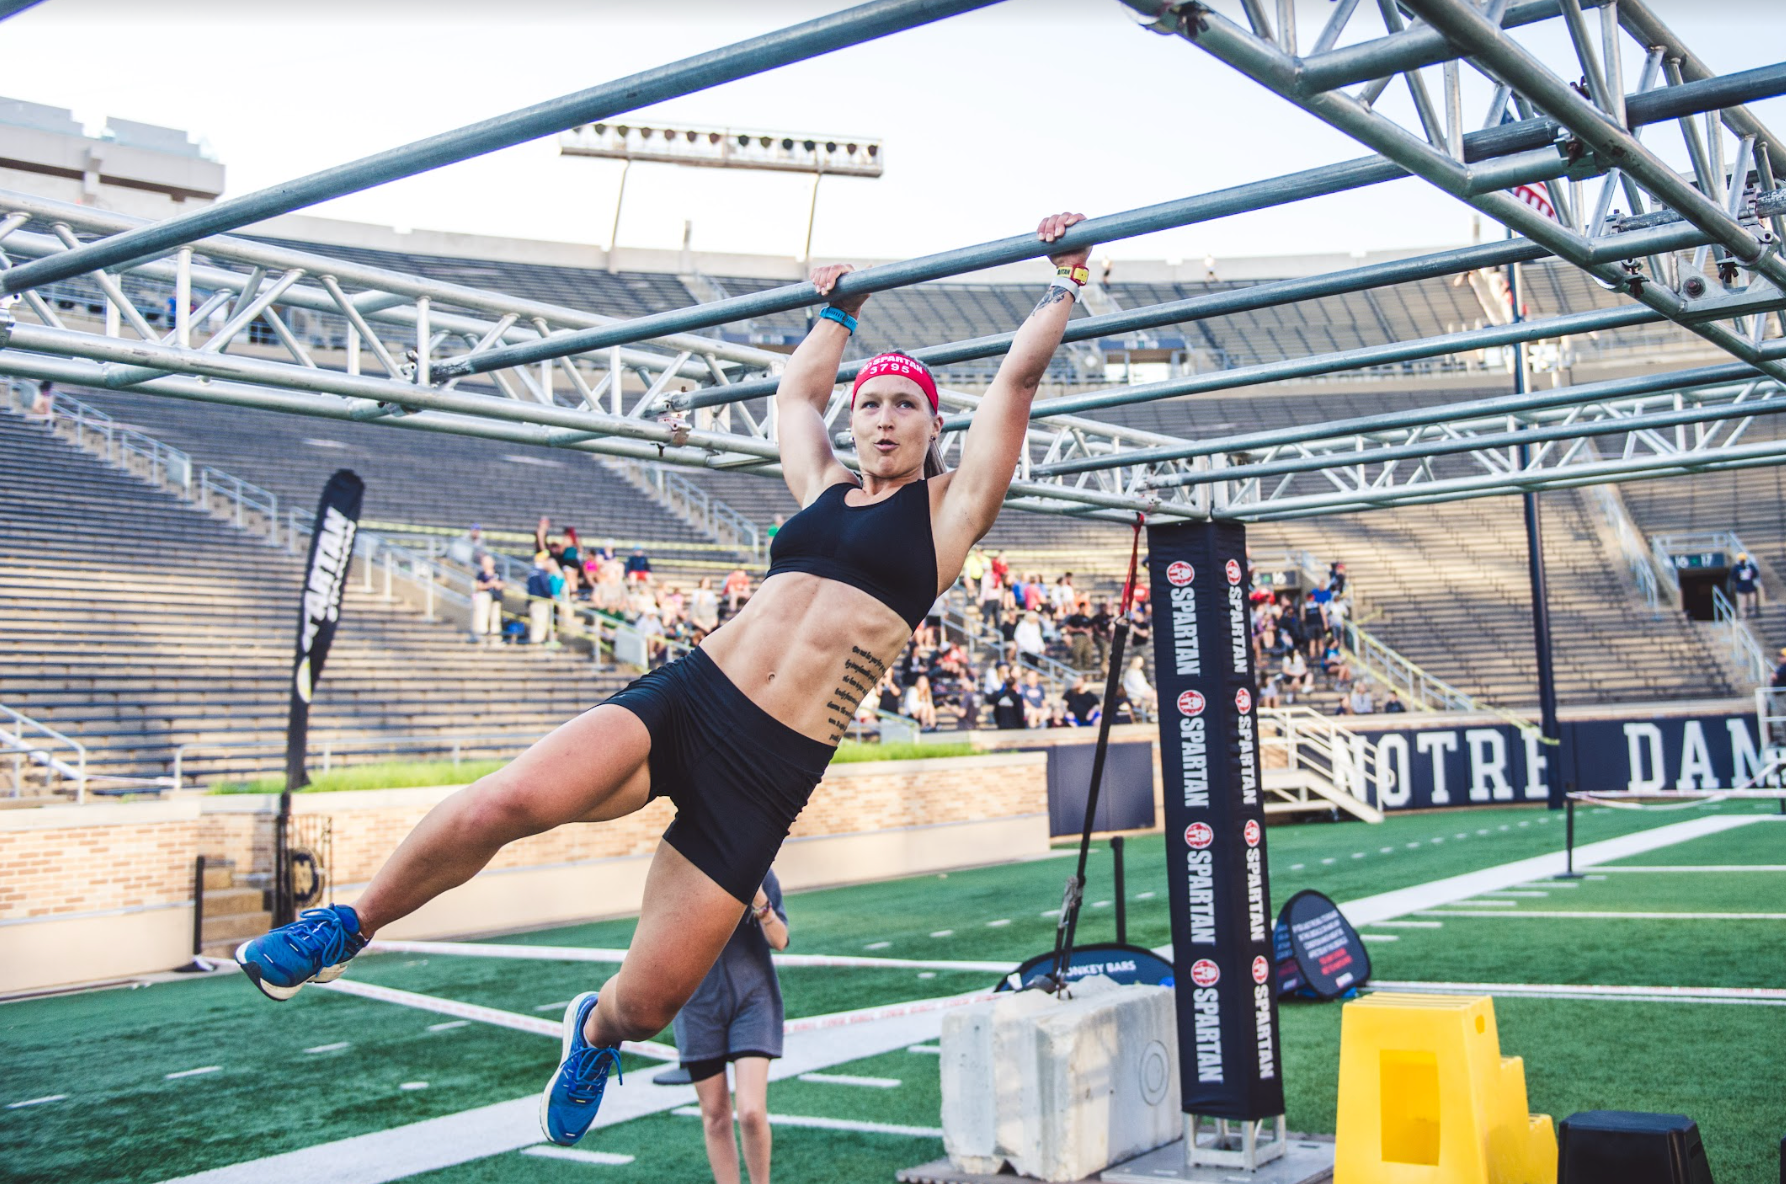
{"x":319,"y":611}
{"x":1229,"y":1061}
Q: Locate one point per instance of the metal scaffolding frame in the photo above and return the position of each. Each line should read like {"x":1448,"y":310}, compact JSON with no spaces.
{"x":1699,"y":250}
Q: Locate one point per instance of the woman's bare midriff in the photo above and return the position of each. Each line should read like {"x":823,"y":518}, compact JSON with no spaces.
{"x":808,"y":650}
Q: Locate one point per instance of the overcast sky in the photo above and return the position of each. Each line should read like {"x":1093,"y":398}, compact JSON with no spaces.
{"x":990,"y":120}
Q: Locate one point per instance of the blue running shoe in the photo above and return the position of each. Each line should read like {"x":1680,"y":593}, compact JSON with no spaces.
{"x":571,"y":1098}
{"x":314,"y":948}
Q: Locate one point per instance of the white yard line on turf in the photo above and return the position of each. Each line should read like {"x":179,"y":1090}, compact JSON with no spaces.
{"x":578,"y":1155}
{"x":1403,"y":901}
{"x":36,"y":1101}
{"x":1702,"y":867}
{"x":335,"y":1047}
{"x":1408,"y":924}
{"x":935,"y":1049}
{"x":509,"y":1126}
{"x":480,"y":949}
{"x":836,"y":1124}
{"x":199,"y":1072}
{"x":1539,"y":914}
{"x":851,"y":1079}
{"x":1764,"y":996}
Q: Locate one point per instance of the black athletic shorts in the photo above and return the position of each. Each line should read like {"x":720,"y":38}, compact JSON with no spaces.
{"x":739,"y":777}
{"x":714,"y":1066}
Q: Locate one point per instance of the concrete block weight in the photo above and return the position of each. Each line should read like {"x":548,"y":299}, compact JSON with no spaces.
{"x":1060,"y":1089}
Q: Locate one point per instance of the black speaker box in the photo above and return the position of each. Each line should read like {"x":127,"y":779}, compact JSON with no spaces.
{"x":1627,"y":1147}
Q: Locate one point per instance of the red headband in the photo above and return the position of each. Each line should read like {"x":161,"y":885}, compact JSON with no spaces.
{"x":903,"y":365}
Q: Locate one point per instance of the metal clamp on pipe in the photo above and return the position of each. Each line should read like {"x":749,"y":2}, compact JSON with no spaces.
{"x":6,"y":324}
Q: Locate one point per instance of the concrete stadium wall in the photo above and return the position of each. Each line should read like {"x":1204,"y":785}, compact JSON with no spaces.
{"x":105,"y":891}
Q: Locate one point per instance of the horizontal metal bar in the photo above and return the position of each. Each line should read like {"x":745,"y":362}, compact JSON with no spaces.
{"x":1272,"y":294}
{"x":1341,"y":458}
{"x":1398,"y":52}
{"x":1488,"y":337}
{"x":852,"y":26}
{"x":1092,"y":232}
{"x":1382,"y":421}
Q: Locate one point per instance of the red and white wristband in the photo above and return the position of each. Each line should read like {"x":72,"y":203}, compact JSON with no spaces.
{"x":1070,"y":280}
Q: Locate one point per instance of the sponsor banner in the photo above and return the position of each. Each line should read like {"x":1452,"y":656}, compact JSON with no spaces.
{"x":1423,"y":768}
{"x":1319,"y":954}
{"x":1122,"y":964}
{"x":319,"y":609}
{"x":1229,"y":1057}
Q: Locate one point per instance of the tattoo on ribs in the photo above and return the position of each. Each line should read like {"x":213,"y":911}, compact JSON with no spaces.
{"x":853,"y":686}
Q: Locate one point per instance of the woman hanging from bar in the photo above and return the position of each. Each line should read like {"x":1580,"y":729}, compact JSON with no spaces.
{"x":739,"y":732}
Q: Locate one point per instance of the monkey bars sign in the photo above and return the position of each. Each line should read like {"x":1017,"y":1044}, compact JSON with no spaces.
{"x":1228,"y":1055}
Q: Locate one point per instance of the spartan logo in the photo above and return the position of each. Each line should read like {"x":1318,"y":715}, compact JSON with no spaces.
{"x":1198,"y":835}
{"x":1243,"y":700}
{"x":1233,"y":571}
{"x":1261,"y":969}
{"x":1191,"y":703}
{"x":1205,"y":973}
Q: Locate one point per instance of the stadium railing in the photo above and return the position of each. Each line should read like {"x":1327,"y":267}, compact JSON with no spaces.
{"x":1744,"y":651}
{"x":28,"y":741}
{"x":455,"y":747}
{"x":161,"y":464}
{"x":693,"y":504}
{"x":1631,"y":545}
{"x":1419,"y":690}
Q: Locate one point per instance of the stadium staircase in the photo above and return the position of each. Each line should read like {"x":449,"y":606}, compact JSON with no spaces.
{"x":138,"y":624}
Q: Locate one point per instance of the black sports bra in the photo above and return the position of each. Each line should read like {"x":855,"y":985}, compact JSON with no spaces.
{"x":885,"y":548}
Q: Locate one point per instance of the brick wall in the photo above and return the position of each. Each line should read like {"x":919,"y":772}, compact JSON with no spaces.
{"x":82,"y":860}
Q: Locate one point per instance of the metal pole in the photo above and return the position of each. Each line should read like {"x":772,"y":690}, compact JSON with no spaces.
{"x":198,"y":906}
{"x":1547,"y":689}
{"x":614,"y":233}
{"x":852,"y":26}
{"x":1122,"y":894}
{"x":812,"y":213}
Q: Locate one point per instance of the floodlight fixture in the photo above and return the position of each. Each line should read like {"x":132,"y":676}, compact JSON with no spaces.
{"x":726,"y":148}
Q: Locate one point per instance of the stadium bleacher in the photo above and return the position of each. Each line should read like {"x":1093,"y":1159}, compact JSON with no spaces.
{"x":136,"y":623}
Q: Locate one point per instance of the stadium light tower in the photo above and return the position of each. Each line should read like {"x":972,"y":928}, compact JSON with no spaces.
{"x":724,"y":148}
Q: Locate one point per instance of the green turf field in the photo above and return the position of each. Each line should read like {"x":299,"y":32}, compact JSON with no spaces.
{"x":327,"y":1066}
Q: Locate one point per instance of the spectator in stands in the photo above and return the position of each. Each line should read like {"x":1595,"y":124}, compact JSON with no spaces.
{"x":486,"y":601}
{"x":1077,"y":628}
{"x":1140,"y":622}
{"x":1395,"y":705}
{"x":1082,"y":704}
{"x":638,"y":565}
{"x":468,"y":548}
{"x":736,"y":589}
{"x":1363,"y":703}
{"x":1035,"y":700}
{"x":887,"y":697}
{"x":736,"y":1015}
{"x":539,"y":599}
{"x":604,"y":553}
{"x":1057,"y":714}
{"x":1336,"y":578}
{"x":967,"y":700}
{"x":997,"y":675}
{"x":1268,"y":691}
{"x":1008,"y":705}
{"x":1333,"y":665}
{"x":1063,"y":596}
{"x":609,"y":594}
{"x":571,"y":553}
{"x":1103,"y":626}
{"x":703,"y":608}
{"x":1028,"y":636}
{"x":973,"y":569}
{"x":1778,"y":681}
{"x":564,"y":591}
{"x":774,"y":528}
{"x":1001,"y":569}
{"x":1135,"y":686}
{"x":1314,"y":621}
{"x":43,"y":404}
{"x":1745,"y":584}
{"x":1337,"y":610}
{"x":650,"y":626}
{"x":919,"y":705}
{"x":991,"y":593}
{"x":1295,"y":674}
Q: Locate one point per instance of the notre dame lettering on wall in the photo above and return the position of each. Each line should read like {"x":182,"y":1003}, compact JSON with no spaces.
{"x":1435,"y":766}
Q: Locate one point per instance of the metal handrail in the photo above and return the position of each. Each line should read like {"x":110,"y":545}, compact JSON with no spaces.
{"x":712,"y":515}
{"x":23,"y":749}
{"x":342,"y":745}
{"x":1420,"y":690}
{"x":1744,"y":651}
{"x":1638,"y":557}
{"x":1317,"y":743}
{"x":1665,"y":548}
{"x":162,"y":463}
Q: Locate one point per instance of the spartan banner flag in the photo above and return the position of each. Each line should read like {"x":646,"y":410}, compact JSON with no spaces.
{"x":1228,"y":1055}
{"x":319,"y":610}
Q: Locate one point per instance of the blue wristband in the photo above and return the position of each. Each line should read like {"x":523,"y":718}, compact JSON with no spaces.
{"x":833,"y":313}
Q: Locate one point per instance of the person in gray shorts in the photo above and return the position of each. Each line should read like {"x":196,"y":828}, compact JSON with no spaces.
{"x":736,"y":1015}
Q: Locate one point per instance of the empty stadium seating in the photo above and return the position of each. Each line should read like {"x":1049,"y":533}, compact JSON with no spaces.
{"x":135,"y":623}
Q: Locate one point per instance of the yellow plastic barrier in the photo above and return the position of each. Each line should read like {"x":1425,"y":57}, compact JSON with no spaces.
{"x":1425,"y":1097}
